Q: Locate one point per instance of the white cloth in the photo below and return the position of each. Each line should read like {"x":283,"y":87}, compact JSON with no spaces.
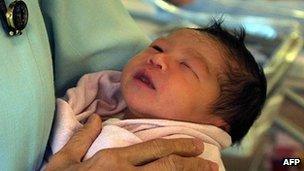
{"x":100,"y":93}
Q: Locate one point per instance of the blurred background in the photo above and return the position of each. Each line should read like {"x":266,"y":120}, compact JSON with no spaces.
{"x":275,"y":37}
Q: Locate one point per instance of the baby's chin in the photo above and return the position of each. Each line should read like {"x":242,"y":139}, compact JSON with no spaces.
{"x":131,"y":113}
{"x":131,"y":116}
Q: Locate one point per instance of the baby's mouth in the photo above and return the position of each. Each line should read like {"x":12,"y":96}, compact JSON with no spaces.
{"x":141,"y":76}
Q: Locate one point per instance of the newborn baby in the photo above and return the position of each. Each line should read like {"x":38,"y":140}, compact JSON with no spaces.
{"x":194,"y":83}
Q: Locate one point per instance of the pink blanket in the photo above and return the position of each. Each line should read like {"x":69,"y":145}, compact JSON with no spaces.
{"x":100,"y":93}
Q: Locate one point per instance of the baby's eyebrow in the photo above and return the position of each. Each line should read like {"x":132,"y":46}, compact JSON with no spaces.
{"x":160,"y":40}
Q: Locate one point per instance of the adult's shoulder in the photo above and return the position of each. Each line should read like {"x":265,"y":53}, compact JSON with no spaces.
{"x":88,"y":36}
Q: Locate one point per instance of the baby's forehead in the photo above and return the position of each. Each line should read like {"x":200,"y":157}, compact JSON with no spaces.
{"x":191,"y":32}
{"x":191,"y":35}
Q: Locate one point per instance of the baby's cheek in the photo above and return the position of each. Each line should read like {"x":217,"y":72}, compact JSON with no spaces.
{"x":176,"y":99}
{"x":129,"y":95}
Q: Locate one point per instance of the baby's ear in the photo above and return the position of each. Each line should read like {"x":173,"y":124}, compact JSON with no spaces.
{"x":221,"y":123}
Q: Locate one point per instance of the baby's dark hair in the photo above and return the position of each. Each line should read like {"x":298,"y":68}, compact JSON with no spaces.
{"x":243,"y":84}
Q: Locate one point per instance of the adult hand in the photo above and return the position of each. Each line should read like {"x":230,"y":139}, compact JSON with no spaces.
{"x":159,"y":154}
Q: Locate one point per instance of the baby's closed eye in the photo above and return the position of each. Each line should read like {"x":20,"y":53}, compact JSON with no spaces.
{"x":157,"y":48}
{"x":188,"y":66}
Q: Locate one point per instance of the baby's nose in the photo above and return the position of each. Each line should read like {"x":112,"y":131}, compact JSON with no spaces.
{"x":158,"y":61}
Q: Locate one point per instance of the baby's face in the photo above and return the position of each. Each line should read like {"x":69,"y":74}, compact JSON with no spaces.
{"x":174,"y":78}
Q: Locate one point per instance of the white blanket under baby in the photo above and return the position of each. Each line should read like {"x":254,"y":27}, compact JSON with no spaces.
{"x":100,"y":93}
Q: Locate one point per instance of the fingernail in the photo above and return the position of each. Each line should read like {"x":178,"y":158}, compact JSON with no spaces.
{"x":198,"y":144}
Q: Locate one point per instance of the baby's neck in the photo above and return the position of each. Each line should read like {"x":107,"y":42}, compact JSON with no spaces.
{"x":130,"y":115}
{"x":127,"y":114}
